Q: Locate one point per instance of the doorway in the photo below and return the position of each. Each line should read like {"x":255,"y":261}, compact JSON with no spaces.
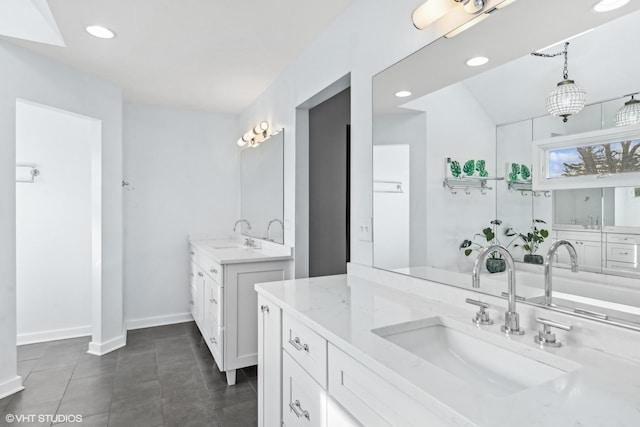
{"x":58,"y":223}
{"x":329,"y":185}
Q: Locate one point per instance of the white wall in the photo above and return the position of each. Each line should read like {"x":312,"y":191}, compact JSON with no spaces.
{"x":53,"y":223}
{"x":469,"y":134}
{"x":184,"y":176}
{"x":35,"y":78}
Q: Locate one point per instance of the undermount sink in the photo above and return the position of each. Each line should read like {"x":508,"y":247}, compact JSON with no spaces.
{"x":490,"y":367}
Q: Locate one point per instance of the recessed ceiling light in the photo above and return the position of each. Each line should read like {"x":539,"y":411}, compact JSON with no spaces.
{"x":100,"y":32}
{"x":477,"y":61}
{"x":607,"y":5}
{"x":403,"y":94}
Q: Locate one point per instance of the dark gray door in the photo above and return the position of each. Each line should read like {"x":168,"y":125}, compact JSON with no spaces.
{"x":329,"y":185}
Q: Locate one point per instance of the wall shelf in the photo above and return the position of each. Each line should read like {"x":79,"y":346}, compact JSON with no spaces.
{"x":525,"y":188}
{"x":467,"y":183}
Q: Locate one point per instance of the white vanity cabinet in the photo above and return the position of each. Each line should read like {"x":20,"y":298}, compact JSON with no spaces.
{"x":224,"y":300}
{"x":305,"y":380}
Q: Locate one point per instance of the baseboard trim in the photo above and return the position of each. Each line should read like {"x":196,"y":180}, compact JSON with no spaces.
{"x":52,"y":335}
{"x":149,"y":322}
{"x":11,"y":386}
{"x":100,"y":349}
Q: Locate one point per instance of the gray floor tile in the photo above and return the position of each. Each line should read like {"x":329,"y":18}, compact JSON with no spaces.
{"x":99,"y":420}
{"x":4,"y":402}
{"x":31,"y":351}
{"x":191,"y":412}
{"x":232,"y":395}
{"x":132,"y":414}
{"x":174,"y":330}
{"x":25,"y":367}
{"x":95,"y":367}
{"x":164,"y":377}
{"x":145,"y":392}
{"x":244,"y":414}
{"x":42,"y":387}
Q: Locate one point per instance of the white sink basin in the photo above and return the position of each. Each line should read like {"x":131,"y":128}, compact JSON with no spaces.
{"x":490,"y":367}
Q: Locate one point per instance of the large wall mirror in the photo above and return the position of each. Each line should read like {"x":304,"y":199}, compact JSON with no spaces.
{"x":262,"y":189}
{"x":484,"y":122}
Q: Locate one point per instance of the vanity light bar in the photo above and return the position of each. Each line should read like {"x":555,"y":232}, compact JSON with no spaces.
{"x":432,"y":10}
{"x":255,"y":136}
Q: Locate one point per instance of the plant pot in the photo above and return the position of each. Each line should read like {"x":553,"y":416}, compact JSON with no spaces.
{"x":533,"y":259}
{"x":496,"y":265}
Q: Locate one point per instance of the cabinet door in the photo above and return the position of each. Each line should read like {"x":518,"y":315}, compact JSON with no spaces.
{"x":240,"y":316}
{"x":591,"y":255}
{"x":269,"y":363}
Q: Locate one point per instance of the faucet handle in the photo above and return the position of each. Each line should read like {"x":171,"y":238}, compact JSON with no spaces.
{"x":482,"y":317}
{"x":545,"y":337}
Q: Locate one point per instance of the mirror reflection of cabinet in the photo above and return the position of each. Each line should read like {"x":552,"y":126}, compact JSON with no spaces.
{"x":588,"y":246}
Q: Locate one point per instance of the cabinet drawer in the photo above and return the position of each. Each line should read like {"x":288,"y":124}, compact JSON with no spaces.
{"x":585,"y":236}
{"x":303,"y":400}
{"x":622,"y":253}
{"x":627,"y":239}
{"x":371,"y":399}
{"x":212,"y":268}
{"x":623,"y":266}
{"x":306,"y":347}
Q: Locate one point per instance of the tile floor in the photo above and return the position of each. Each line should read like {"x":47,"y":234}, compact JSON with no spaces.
{"x":165,"y":376}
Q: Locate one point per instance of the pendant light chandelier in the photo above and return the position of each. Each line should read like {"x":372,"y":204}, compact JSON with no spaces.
{"x":567,"y":98}
{"x":629,"y":114}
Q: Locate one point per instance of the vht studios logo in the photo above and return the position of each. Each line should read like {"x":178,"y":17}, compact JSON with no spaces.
{"x":42,"y":418}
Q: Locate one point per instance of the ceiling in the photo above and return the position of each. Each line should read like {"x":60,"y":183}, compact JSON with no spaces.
{"x":208,"y":55}
{"x":513,"y":85}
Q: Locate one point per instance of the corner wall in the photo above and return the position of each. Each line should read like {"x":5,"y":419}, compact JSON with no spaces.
{"x":38,"y":79}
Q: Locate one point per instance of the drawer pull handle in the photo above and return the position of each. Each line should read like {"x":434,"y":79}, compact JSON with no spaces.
{"x":200,"y":274}
{"x":192,"y":253}
{"x":297,"y":409}
{"x":191,"y":302}
{"x":264,"y":308}
{"x":213,"y":300}
{"x":213,"y":340}
{"x":213,"y":270}
{"x":624,"y":253}
{"x":296,"y":344}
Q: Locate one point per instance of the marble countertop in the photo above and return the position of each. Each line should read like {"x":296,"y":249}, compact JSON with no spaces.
{"x":600,"y":390}
{"x":233,"y":251}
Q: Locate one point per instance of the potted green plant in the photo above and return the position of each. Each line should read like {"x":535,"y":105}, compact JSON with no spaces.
{"x":494,"y":263}
{"x":531,"y":241}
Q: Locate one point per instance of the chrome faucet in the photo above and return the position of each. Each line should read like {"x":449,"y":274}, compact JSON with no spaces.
{"x":241,"y":221}
{"x":511,"y":318}
{"x":269,"y":227}
{"x":548,"y":263}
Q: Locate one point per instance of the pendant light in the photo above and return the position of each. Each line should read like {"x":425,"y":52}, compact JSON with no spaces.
{"x":567,"y":98}
{"x":629,"y":114}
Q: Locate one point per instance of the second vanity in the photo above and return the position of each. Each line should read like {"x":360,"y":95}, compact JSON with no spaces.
{"x":222,"y":299}
{"x":378,"y":349}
